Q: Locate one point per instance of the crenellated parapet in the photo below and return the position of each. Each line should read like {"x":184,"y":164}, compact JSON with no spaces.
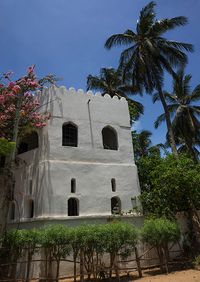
{"x":74,"y":104}
{"x":62,"y":90}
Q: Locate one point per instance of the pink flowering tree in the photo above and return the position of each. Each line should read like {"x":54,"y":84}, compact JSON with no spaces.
{"x":19,"y":104}
{"x":19,"y":113}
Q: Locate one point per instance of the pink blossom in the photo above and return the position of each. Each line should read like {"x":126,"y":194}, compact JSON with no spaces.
{"x":33,"y":84}
{"x":16,"y":89}
{"x":31,"y":69}
{"x":11,"y":84}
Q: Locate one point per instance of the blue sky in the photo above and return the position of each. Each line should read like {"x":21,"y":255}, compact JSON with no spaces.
{"x":66,"y":37}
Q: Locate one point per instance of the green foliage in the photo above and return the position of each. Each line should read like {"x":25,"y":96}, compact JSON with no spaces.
{"x":57,"y":239}
{"x":181,"y":105}
{"x":117,"y":235}
{"x":160,"y":231}
{"x":6,"y":147}
{"x":101,"y":238}
{"x":86,"y":242}
{"x":196,"y":261}
{"x":110,"y":81}
{"x":169,"y":185}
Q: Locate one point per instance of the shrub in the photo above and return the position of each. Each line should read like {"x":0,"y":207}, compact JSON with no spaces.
{"x":159,"y":233}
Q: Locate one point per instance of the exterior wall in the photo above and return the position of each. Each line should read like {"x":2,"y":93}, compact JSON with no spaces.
{"x":52,"y":166}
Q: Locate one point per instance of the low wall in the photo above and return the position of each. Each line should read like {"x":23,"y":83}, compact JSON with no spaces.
{"x":75,"y":221}
{"x":147,"y":255}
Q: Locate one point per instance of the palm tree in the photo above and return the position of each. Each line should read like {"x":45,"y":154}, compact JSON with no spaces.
{"x":149,"y":54}
{"x":141,"y":143}
{"x":182,"y":108}
{"x":110,"y":82}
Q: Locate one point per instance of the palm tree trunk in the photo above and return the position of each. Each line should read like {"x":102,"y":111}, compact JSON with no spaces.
{"x":169,"y":124}
{"x":189,"y":139}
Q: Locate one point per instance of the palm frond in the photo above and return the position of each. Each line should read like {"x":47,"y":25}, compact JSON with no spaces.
{"x":159,"y":120}
{"x":125,"y":38}
{"x":186,"y":85}
{"x":181,"y":46}
{"x":126,"y":55}
{"x":196,"y":110}
{"x":128,"y":89}
{"x":136,"y":109}
{"x":156,"y":97}
{"x":147,"y":16}
{"x":163,"y":25}
{"x":195,"y":96}
{"x":94,"y":82}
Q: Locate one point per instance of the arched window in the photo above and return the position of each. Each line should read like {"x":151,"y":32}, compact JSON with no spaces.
{"x":73,"y":185}
{"x":69,"y":135}
{"x":73,"y":207}
{"x":12,"y":211}
{"x":109,"y":136}
{"x":113,"y":184}
{"x":28,"y":142}
{"x":30,"y":209}
{"x":115,"y":205}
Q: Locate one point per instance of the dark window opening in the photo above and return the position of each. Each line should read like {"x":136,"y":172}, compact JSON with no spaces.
{"x":73,"y":207}
{"x":109,"y":139}
{"x":69,"y":135}
{"x":30,"y":209}
{"x":115,"y":205}
{"x":30,"y":187}
{"x":73,"y":185}
{"x":113,"y":184}
{"x":12,"y":211}
{"x":2,"y":161}
{"x":28,"y":142}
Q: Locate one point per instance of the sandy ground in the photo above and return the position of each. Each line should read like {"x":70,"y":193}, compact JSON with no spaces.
{"x":190,"y":275}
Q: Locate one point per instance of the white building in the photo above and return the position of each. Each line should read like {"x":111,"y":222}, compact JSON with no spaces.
{"x":81,"y":164}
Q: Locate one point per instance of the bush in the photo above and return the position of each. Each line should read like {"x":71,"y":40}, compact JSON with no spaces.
{"x":159,"y":233}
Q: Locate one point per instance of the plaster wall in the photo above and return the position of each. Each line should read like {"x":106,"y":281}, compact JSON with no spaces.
{"x":51,"y":167}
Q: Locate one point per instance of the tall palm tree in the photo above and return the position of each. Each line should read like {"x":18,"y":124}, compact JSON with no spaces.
{"x":110,"y":82}
{"x":149,"y":54}
{"x":185,"y":113}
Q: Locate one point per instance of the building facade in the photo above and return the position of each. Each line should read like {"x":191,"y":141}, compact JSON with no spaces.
{"x":81,"y":163}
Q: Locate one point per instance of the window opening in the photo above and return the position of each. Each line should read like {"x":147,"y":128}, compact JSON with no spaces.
{"x":109,"y":139}
{"x":115,"y":205}
{"x":73,"y":185}
{"x":113,"y":184}
{"x":73,"y":207}
{"x":30,"y":187}
{"x":30,"y":208}
{"x":69,"y":135}
{"x":2,"y":161}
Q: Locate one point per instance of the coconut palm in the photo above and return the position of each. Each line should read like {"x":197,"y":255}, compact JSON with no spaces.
{"x":149,"y":54}
{"x":141,"y":143}
{"x":185,"y":113}
{"x":110,"y":82}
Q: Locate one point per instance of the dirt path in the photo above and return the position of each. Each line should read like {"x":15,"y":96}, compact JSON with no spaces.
{"x":190,"y":275}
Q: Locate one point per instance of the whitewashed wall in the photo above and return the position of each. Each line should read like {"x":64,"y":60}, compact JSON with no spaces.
{"x":51,"y":166}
